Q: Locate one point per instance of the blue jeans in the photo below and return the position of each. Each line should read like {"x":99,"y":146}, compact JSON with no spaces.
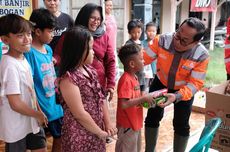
{"x":182,"y":111}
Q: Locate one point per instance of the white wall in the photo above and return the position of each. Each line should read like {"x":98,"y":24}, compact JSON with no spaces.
{"x":184,"y":10}
{"x":65,"y":5}
{"x":165,"y":16}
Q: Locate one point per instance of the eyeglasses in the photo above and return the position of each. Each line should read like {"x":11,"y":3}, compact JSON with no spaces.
{"x":95,"y":19}
{"x":183,"y":42}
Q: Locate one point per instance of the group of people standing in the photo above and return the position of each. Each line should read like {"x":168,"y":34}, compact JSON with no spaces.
{"x":59,"y":75}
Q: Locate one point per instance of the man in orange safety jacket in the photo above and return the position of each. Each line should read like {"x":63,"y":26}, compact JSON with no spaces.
{"x":227,"y":50}
{"x":181,"y":68}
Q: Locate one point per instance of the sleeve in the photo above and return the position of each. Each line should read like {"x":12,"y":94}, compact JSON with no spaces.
{"x":195,"y":81}
{"x":49,"y":51}
{"x":150,"y":52}
{"x":10,"y":80}
{"x":29,"y":57}
{"x":109,"y":63}
{"x":123,"y":91}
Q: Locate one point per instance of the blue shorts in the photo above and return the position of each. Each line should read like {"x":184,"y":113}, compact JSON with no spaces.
{"x":54,"y":127}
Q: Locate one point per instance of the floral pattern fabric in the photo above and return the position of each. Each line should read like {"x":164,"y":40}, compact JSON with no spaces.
{"x":74,"y":136}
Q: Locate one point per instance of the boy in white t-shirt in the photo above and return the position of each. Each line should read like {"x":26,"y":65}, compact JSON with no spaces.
{"x":20,"y":115}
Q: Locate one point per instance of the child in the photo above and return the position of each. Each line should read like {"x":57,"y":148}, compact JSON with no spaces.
{"x":40,"y":59}
{"x":20,"y":115}
{"x":129,"y":110}
{"x":86,"y":120}
{"x":135,"y":29}
{"x":150,"y":71}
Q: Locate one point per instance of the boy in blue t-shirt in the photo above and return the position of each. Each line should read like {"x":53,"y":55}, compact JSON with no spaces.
{"x":40,"y":59}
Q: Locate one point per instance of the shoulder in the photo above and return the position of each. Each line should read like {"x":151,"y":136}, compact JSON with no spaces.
{"x":66,"y":17}
{"x":125,"y":78}
{"x":163,"y":40}
{"x":8,"y":61}
{"x":201,"y":53}
{"x":92,"y":70}
{"x":32,"y":49}
{"x":48,"y":48}
{"x":128,"y":42}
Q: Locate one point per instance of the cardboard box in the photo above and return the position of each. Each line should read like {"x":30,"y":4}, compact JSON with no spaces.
{"x":218,"y":105}
{"x":199,"y":102}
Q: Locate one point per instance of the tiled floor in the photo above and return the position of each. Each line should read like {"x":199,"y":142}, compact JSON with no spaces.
{"x":165,"y":134}
{"x":165,"y":140}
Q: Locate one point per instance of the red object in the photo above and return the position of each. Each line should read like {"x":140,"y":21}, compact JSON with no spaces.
{"x":132,"y":117}
{"x":104,"y":60}
{"x":211,"y":113}
{"x":160,"y":92}
{"x":228,"y":26}
{"x":203,"y":5}
{"x":227,"y":48}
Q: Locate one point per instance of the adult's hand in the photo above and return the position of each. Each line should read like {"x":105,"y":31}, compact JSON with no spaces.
{"x":171,"y":98}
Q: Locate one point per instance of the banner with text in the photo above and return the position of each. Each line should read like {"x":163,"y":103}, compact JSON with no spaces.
{"x":203,"y":5}
{"x":19,"y":7}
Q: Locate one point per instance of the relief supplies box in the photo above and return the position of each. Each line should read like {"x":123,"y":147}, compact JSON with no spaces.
{"x":218,"y":105}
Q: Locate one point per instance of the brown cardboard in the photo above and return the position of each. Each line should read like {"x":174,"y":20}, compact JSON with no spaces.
{"x":218,"y":105}
{"x":199,"y":102}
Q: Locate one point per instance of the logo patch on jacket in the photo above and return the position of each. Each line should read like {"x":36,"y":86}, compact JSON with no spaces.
{"x":137,"y":88}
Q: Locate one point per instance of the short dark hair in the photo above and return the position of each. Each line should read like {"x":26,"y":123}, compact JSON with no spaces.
{"x":76,"y":42}
{"x":149,"y":24}
{"x":127,"y":51}
{"x":133,"y":24}
{"x":85,"y":13}
{"x":12,"y":23}
{"x":198,"y":25}
{"x":42,"y":18}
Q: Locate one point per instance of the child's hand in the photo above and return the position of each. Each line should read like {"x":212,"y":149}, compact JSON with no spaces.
{"x":102,"y":135}
{"x":54,"y":61}
{"x":42,"y":119}
{"x":111,"y":130}
{"x":149,"y":98}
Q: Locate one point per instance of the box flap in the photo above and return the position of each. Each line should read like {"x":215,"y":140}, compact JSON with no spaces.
{"x":220,"y":89}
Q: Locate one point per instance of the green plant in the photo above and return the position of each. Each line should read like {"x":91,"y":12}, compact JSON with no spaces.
{"x":216,"y":73}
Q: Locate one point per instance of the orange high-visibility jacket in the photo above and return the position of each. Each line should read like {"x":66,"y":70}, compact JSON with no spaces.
{"x":227,"y":48}
{"x":182,"y":71}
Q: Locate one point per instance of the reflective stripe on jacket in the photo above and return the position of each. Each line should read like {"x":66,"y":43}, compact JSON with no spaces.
{"x":182,"y":71}
{"x":227,"y":55}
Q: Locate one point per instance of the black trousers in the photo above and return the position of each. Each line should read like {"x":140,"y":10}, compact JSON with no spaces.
{"x":182,"y":111}
{"x":228,"y":76}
